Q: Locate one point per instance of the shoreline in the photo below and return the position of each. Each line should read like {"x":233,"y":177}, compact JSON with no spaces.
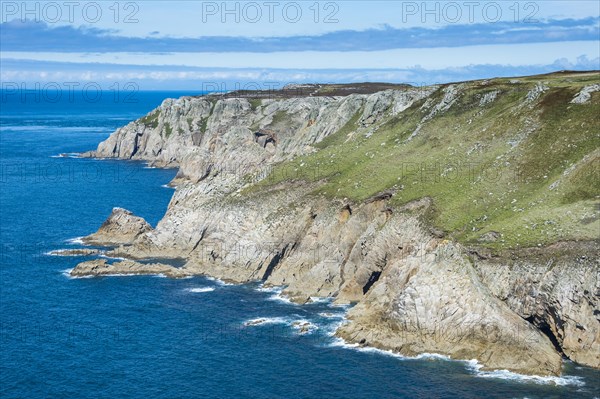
{"x":470,"y":365}
{"x":311,"y":245}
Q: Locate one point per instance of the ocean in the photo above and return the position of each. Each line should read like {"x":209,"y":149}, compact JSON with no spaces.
{"x":153,"y":337}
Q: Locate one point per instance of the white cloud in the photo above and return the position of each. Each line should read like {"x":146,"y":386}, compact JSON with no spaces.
{"x":185,"y":19}
{"x":429,"y":58}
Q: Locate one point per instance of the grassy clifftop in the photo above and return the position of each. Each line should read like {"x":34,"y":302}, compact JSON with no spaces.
{"x":507,"y":162}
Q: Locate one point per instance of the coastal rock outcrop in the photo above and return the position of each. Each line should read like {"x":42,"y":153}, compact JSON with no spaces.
{"x":101,"y":267}
{"x":416,"y":293}
{"x":557,"y":289}
{"x":434,"y":302}
{"x":121,"y":227}
{"x":76,"y":252}
{"x":243,"y":211}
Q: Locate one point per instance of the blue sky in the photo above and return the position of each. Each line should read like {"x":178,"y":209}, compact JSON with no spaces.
{"x":202,"y":45}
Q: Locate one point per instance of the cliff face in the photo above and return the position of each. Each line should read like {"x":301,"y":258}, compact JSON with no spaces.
{"x":263,"y":194}
{"x":557,"y":289}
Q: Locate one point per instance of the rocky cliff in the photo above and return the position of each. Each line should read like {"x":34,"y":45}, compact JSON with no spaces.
{"x":459,"y":218}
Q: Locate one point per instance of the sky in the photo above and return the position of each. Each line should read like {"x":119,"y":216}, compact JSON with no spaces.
{"x":218,"y":45}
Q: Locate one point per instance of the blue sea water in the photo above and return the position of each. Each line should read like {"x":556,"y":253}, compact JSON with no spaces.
{"x":152,"y":337}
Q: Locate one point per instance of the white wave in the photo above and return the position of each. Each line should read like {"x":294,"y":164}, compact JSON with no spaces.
{"x":218,"y":281}
{"x":200,"y":289}
{"x":330,"y":315}
{"x":76,"y":240}
{"x":162,"y":275}
{"x":276,"y":290}
{"x":431,"y":356}
{"x":167,"y":186}
{"x":281,"y":298}
{"x":67,"y":274}
{"x":67,"y":155}
{"x":339,"y":342}
{"x":377,"y":351}
{"x":277,"y":294}
{"x":303,"y":326}
{"x":320,"y":299}
{"x":110,"y":257}
{"x":475,"y":366}
{"x":265,"y":320}
{"x":331,"y":328}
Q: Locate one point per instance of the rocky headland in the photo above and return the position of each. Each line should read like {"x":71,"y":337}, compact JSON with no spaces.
{"x":461,"y":219}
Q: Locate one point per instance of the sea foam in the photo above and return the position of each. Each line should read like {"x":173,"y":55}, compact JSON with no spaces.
{"x":110,"y":257}
{"x":564,"y":380}
{"x":67,"y":155}
{"x":300,"y":326}
{"x":200,"y":289}
{"x":76,"y":240}
{"x":67,"y":274}
{"x":277,"y":294}
{"x":218,"y":281}
{"x":320,"y":299}
{"x":472,"y":365}
{"x":259,"y":321}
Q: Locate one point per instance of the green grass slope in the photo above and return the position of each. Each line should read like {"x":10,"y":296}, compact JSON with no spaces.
{"x":525,"y":171}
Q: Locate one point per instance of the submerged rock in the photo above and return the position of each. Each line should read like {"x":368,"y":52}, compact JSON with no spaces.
{"x":303,"y":327}
{"x":255,"y":322}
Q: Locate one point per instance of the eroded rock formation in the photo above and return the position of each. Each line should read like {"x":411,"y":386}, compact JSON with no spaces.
{"x":415,"y":290}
